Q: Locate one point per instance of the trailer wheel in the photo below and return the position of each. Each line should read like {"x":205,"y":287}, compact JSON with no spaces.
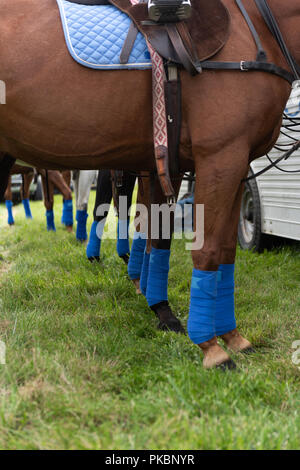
{"x":249,"y":230}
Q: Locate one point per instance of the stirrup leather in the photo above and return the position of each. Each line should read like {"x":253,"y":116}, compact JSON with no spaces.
{"x":169,"y":11}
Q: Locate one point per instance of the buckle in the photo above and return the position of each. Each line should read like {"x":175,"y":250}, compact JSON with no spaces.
{"x":242,"y":66}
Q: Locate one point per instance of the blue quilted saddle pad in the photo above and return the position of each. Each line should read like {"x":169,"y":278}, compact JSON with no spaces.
{"x":95,"y":36}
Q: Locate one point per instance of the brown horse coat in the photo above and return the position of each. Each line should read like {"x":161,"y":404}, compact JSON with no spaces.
{"x":62,"y":115}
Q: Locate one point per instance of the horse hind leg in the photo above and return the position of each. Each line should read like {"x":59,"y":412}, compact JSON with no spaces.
{"x":9,"y":203}
{"x":101,"y":209}
{"x":48,"y":194}
{"x":6,"y":164}
{"x":138,"y":248}
{"x":83,"y":183}
{"x":25,"y":193}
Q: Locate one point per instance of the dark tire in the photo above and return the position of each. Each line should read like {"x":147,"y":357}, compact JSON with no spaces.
{"x":38,"y":195}
{"x":249,"y":230}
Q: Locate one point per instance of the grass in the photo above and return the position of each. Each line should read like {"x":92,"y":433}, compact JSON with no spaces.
{"x":86,"y":367}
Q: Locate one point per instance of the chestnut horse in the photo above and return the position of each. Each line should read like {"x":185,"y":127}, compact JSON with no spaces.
{"x":62,"y":115}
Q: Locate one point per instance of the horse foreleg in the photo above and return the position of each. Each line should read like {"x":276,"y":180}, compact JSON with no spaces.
{"x":155,"y":271}
{"x":218,"y":189}
{"x":25,"y":193}
{"x":9,"y":203}
{"x":225,"y":310}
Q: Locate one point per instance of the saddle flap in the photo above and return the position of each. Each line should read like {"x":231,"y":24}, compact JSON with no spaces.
{"x":208,"y":26}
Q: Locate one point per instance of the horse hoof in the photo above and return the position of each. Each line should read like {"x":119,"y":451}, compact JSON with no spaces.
{"x":175,"y":326}
{"x":136,"y":283}
{"x":215,"y":356}
{"x":94,"y":258}
{"x":249,"y":350}
{"x":236,"y":342}
{"x":167,"y":320}
{"x":125,"y":258}
{"x":227,"y":365}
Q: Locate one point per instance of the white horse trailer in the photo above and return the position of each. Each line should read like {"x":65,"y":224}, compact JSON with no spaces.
{"x":271,"y":202}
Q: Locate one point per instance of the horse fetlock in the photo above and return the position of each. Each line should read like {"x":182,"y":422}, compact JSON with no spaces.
{"x":136,"y":283}
{"x":215,"y":356}
{"x":125,"y":258}
{"x":236,"y":342}
{"x":167,"y":320}
{"x":93,"y":259}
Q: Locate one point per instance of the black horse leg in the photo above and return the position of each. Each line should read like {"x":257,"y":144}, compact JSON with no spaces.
{"x":158,"y":270}
{"x":6,"y":164}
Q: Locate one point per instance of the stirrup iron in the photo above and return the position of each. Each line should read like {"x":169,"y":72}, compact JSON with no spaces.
{"x":169,"y":11}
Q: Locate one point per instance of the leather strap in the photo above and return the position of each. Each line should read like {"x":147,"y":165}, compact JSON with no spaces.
{"x":173,"y":108}
{"x":272,"y":24}
{"x":128,"y":43}
{"x":250,"y":66}
{"x":185,"y":58}
{"x":261,"y":54}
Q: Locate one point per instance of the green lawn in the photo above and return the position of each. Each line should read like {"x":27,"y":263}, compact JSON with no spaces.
{"x":86,"y":367}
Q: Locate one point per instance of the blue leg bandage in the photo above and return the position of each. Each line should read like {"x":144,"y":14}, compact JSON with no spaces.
{"x":67,"y":215}
{"x":50,"y":221}
{"x":201,"y":322}
{"x":81,"y":233}
{"x":225,"y":319}
{"x":10,"y":218}
{"x":136,"y":256}
{"x":123,"y":238}
{"x":27,"y":209}
{"x":157,"y":286}
{"x":144,"y":273}
{"x":94,"y":244}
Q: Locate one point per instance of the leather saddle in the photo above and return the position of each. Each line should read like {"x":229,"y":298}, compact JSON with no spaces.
{"x":186,"y":43}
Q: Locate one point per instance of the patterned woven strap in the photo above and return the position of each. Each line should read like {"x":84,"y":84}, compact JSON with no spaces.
{"x":160,"y":126}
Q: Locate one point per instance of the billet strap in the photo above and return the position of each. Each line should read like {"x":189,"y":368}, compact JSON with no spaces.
{"x":188,"y":62}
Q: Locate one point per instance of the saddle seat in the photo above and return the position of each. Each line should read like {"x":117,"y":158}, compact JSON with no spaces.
{"x":203,"y":35}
